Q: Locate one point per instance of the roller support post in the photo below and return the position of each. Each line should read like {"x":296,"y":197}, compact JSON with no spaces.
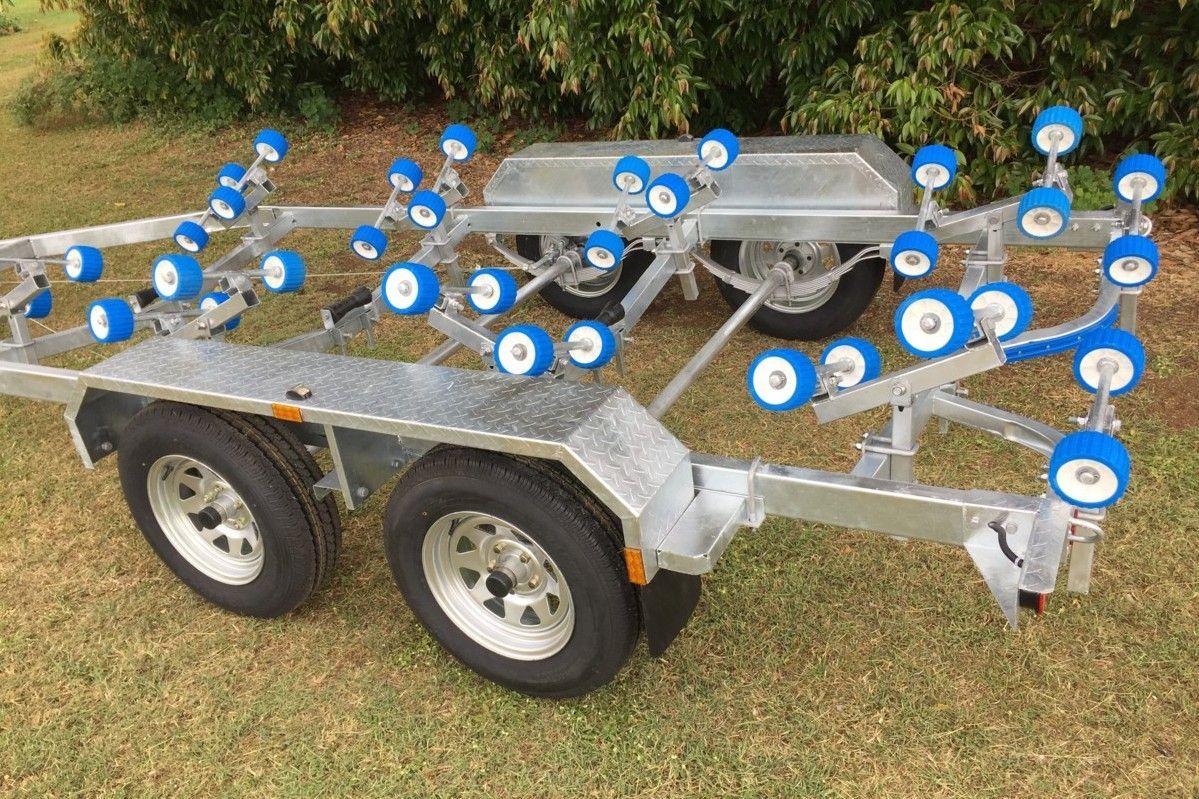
{"x":250,"y":171}
{"x":388,"y":207}
{"x":672,"y":259}
{"x":443,"y":174}
{"x":1137,"y":192}
{"x":829,"y":373}
{"x":1127,"y":310}
{"x":902,"y":455}
{"x":462,"y":332}
{"x":253,"y":246}
{"x":621,"y":211}
{"x":206,"y":322}
{"x":778,"y":276}
{"x":465,"y":290}
{"x":986,"y":318}
{"x":926,"y":200}
{"x":1100,"y":418}
{"x":1051,"y":165}
{"x":564,"y":264}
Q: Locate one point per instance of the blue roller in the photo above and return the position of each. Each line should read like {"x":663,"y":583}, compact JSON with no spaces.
{"x":214,"y":298}
{"x":502,"y":294}
{"x":1089,"y":469}
{"x":271,"y":145}
{"x":1062,"y":121}
{"x":177,"y":278}
{"x":459,"y":142}
{"x":1014,"y":304}
{"x":226,"y":203}
{"x":1130,"y":261}
{"x":633,"y":170}
{"x":914,"y":254}
{"x":284,"y":271}
{"x":1043,"y":213}
{"x":1118,"y":347}
{"x":368,"y":242}
{"x":1144,"y":167}
{"x":426,"y":210}
{"x":40,"y":306}
{"x":781,"y":379}
{"x":604,"y":250}
{"x":938,"y":157}
{"x":601,"y":341}
{"x":719,"y":149}
{"x":84,"y":264}
{"x":524,"y":350}
{"x":191,"y":236}
{"x":110,"y":320}
{"x":410,"y":288}
{"x":668,"y":195}
{"x":867,"y":363}
{"x":933,"y":322}
{"x":231,"y":175}
{"x":405,"y":175}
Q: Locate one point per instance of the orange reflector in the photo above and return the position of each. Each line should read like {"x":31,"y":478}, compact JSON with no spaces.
{"x":287,"y":413}
{"x":635,"y":566}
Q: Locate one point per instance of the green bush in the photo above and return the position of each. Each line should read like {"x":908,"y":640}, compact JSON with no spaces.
{"x":8,"y":23}
{"x":970,"y":73}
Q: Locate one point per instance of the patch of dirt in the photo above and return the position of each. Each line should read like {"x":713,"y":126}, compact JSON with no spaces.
{"x":1176,"y":399}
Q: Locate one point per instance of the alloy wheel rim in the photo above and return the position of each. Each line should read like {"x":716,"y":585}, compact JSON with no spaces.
{"x":180,"y":488}
{"x":533,"y":621}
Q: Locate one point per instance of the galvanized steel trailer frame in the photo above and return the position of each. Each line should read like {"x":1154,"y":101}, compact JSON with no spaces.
{"x":678,"y":509}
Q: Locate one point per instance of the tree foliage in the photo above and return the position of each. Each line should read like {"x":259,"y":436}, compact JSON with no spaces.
{"x":969,"y":73}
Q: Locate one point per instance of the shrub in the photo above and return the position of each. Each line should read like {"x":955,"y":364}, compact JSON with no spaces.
{"x":8,"y":23}
{"x":973,"y":74}
{"x":970,"y":73}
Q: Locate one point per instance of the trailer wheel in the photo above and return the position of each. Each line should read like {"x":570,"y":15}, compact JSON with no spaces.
{"x":302,"y":472}
{"x":587,"y":299}
{"x":224,"y":502}
{"x":511,"y":572}
{"x":822,"y":314}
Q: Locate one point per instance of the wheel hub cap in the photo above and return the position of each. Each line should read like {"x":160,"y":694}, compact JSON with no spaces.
{"x":184,"y":494}
{"x":811,"y":260}
{"x":497,"y":585}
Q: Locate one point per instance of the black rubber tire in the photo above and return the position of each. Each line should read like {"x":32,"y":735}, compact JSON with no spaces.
{"x":302,"y":472}
{"x":849,"y":301}
{"x":297,"y":556}
{"x":576,"y":535}
{"x":631,"y":268}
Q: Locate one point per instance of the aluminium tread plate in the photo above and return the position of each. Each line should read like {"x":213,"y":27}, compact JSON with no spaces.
{"x":600,"y":432}
{"x":826,"y":172}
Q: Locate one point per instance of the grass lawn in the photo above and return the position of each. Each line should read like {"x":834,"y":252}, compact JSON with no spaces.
{"x":819,"y":662}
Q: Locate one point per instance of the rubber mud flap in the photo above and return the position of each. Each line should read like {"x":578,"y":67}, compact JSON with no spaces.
{"x":667,"y":602}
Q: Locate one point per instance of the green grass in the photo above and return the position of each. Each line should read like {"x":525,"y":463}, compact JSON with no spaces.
{"x":819,"y":662}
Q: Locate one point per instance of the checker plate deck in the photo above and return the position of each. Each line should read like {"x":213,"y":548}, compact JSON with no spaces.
{"x":604,"y":436}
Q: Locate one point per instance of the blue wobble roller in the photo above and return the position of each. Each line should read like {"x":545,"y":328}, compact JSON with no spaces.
{"x":1059,"y":123}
